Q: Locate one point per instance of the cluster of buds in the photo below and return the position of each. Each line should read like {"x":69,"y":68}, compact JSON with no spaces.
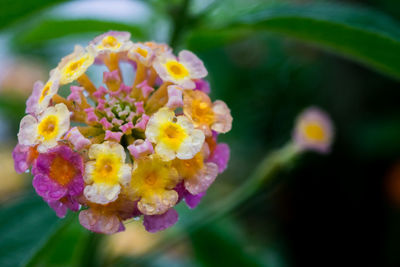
{"x":117,"y":151}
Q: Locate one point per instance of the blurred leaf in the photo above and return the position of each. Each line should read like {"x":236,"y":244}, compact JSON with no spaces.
{"x":50,"y":29}
{"x":25,"y":228}
{"x":358,"y":33}
{"x":68,"y":248}
{"x":12,"y":109}
{"x":221,"y":244}
{"x":13,"y":10}
{"x":377,"y":138}
{"x":12,"y":105}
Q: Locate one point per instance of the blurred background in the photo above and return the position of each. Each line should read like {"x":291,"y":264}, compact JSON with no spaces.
{"x":339,"y":209}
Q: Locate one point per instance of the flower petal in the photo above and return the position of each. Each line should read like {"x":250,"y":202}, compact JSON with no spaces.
{"x":155,"y":223}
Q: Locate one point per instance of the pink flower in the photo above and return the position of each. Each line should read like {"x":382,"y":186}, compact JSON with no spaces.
{"x":142,"y":122}
{"x":175,"y":99}
{"x":91,"y":116}
{"x":75,"y":94}
{"x":108,"y":219}
{"x":146,"y":89}
{"x":313,"y":131}
{"x":113,"y":136}
{"x":100,"y":222}
{"x":77,"y":139}
{"x":58,"y":175}
{"x":141,"y":148}
{"x":139,"y":107}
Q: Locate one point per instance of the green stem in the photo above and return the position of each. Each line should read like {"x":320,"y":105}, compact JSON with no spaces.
{"x":262,"y":177}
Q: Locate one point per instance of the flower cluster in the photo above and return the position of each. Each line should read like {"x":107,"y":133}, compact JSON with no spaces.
{"x":117,"y":151}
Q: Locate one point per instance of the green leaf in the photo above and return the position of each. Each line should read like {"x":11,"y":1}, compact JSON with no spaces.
{"x":13,"y":10}
{"x":376,"y":138}
{"x":51,"y":29}
{"x":67,"y":248}
{"x":25,"y":227}
{"x":12,"y":105}
{"x":360,"y":34}
{"x":222,"y":244}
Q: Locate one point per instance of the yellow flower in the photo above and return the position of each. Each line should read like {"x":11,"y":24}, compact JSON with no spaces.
{"x":141,"y":53}
{"x":197,"y":174}
{"x":173,"y":136}
{"x":206,"y":115}
{"x":46,"y":130}
{"x":106,"y":172}
{"x":153,"y":181}
{"x":75,"y":65}
{"x":112,"y":41}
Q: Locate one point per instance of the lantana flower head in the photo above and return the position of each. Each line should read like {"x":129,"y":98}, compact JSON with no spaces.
{"x":123,"y":149}
{"x":313,"y":131}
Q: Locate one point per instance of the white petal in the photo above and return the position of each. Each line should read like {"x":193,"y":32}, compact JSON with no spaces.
{"x":102,"y":193}
{"x":28,"y":131}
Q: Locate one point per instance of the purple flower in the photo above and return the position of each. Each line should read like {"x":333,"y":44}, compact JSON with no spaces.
{"x":191,"y":200}
{"x":155,"y":223}
{"x":220,"y":156}
{"x":202,"y":85}
{"x":24,"y":157}
{"x":58,"y":176}
{"x":61,"y":206}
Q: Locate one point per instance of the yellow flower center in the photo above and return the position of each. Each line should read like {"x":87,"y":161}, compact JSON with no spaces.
{"x":151,"y":178}
{"x":48,"y":127}
{"x":106,"y":169}
{"x":176,"y":70}
{"x":110,"y":42}
{"x":189,"y":168}
{"x":314,"y":131}
{"x":62,"y":171}
{"x":142,"y":52}
{"x":172,"y":135}
{"x":74,"y":66}
{"x":202,"y":112}
{"x":45,"y":91}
